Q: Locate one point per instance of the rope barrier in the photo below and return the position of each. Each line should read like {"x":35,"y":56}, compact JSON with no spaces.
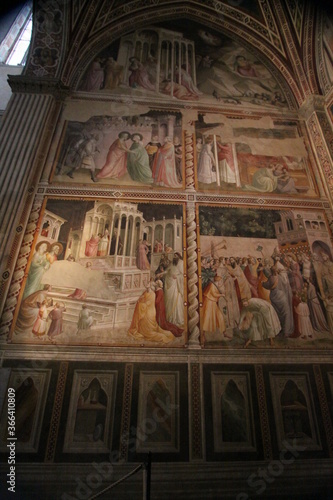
{"x":134,"y":471}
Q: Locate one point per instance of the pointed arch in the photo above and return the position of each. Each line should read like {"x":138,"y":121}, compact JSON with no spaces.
{"x":82,"y":55}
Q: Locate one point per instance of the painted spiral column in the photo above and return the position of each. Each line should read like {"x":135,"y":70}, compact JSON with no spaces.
{"x":192,"y":255}
{"x":20,"y":268}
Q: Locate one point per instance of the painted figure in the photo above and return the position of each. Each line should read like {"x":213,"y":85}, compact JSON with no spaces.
{"x":207,"y":164}
{"x":85,"y":319}
{"x":259,"y":319}
{"x":55,"y":250}
{"x":226,"y":163}
{"x":113,"y":74}
{"x":263,"y":181}
{"x":138,"y":161}
{"x":56,"y":317}
{"x":95,"y":76}
{"x":303,"y":316}
{"x":213,"y":320}
{"x":144,"y":325}
{"x":174,"y":291}
{"x":92,"y":246}
{"x":142,"y":261}
{"x":139,"y":76}
{"x":40,"y":326}
{"x":187,"y":81}
{"x":161,"y":312}
{"x":164,"y":168}
{"x":39,"y":265}
{"x":29,"y":309}
{"x":116,"y":161}
{"x":86,"y":150}
{"x":152,"y":147}
{"x":103,"y":244}
{"x":281,"y":299}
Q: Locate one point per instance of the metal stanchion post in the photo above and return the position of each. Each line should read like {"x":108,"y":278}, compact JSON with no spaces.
{"x":147,"y":477}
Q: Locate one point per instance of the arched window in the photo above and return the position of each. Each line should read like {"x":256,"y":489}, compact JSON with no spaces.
{"x":15,"y":45}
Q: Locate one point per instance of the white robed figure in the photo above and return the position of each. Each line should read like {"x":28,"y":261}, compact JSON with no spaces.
{"x":174,"y":291}
{"x":207,"y":164}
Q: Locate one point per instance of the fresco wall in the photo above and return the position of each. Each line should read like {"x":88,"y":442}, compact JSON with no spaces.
{"x":180,"y":204}
{"x":114,"y":270}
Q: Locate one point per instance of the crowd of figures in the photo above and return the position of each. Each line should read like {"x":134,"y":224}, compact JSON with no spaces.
{"x":43,"y":317}
{"x":287,"y":295}
{"x":215,"y":77}
{"x":107,"y":74}
{"x":150,"y":163}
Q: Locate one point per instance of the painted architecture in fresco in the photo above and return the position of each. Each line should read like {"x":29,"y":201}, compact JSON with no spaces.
{"x":266,"y":278}
{"x":184,"y":62}
{"x":109,"y":271}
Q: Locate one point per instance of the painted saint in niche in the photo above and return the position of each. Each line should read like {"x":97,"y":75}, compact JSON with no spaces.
{"x":158,"y":400}
{"x":26,"y":404}
{"x":296,"y":422}
{"x":233,"y":413}
{"x":90,"y":414}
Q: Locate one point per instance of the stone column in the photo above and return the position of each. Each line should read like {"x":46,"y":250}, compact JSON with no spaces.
{"x":320,"y":132}
{"x":25,"y":136}
{"x":126,"y":235}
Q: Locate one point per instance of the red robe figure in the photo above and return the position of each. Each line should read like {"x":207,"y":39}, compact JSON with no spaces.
{"x":56,"y":320}
{"x":160,"y":311}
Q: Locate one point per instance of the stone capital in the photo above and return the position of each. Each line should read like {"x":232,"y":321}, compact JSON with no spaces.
{"x":312,"y":104}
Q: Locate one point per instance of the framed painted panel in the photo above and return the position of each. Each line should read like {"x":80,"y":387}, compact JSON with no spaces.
{"x":106,"y":272}
{"x":265,"y":278}
{"x":91,"y":411}
{"x":158,"y":412}
{"x":294,"y":411}
{"x":252,"y":156}
{"x":31,"y":387}
{"x":138,"y":150}
{"x":233,"y":423}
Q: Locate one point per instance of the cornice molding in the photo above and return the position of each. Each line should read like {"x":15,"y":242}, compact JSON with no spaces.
{"x":32,"y":85}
